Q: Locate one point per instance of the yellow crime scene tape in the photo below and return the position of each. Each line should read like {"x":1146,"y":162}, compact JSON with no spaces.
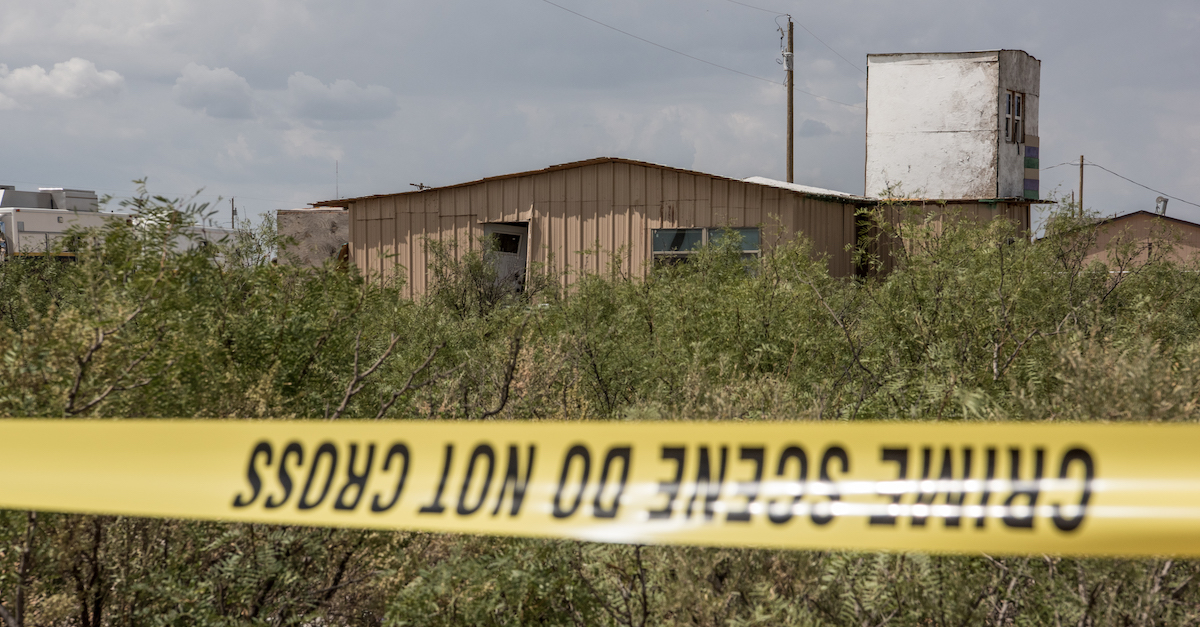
{"x":1074,"y":489}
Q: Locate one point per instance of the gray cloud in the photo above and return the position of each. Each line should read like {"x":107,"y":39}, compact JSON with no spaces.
{"x":813,"y":128}
{"x":219,"y":92}
{"x":507,"y":87}
{"x":341,"y":100}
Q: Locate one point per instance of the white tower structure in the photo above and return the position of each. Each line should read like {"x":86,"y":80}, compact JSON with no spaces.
{"x":953,"y":126}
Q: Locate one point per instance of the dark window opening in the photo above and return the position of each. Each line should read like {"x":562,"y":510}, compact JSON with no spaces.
{"x":507,"y":243}
{"x":672,"y":246}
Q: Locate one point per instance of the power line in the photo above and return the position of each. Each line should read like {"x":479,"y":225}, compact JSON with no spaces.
{"x":814,"y":35}
{"x":643,"y":39}
{"x":706,"y":62}
{"x":1162,"y":193}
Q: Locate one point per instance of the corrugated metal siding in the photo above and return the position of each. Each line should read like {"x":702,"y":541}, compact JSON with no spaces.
{"x":583,"y":219}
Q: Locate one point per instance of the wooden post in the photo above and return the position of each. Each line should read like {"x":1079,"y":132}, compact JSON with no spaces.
{"x":791,"y":94}
{"x":1081,"y":186}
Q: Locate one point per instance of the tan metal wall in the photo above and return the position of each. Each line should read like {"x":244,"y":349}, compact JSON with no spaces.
{"x":1142,"y":232}
{"x":583,"y":218}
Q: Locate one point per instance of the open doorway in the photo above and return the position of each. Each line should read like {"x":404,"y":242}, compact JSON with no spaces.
{"x":511,"y":252}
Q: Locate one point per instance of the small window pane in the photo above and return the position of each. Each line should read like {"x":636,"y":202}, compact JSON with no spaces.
{"x":668,"y":240}
{"x":1018,"y":105}
{"x":507,"y":243}
{"x":750,"y":237}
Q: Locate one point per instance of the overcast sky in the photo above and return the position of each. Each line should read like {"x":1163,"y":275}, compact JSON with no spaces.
{"x":258,"y":99}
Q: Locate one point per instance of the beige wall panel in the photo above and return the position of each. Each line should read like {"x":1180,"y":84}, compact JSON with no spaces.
{"x":573,"y":232}
{"x":683,"y":216}
{"x":495,"y":200}
{"x":643,"y":220}
{"x":589,"y":248}
{"x":687,"y":186}
{"x":613,"y":184}
{"x":404,"y":248}
{"x":737,"y":204}
{"x":623,"y":219}
{"x":558,"y":186}
{"x":525,"y":198}
{"x":541,"y":189}
{"x":719,"y":202}
{"x":461,"y":199}
{"x":789,"y":207}
{"x":770,"y":204}
{"x":637,"y":185}
{"x":416,"y":253}
{"x":604,"y":183}
{"x":357,"y":241}
{"x":572,"y":224}
{"x":737,"y":194}
{"x":432,"y":201}
{"x":431,"y":233}
{"x":387,"y":236}
{"x":670,"y":196}
{"x":703,"y":214}
{"x":639,"y":242}
{"x":479,"y":202}
{"x":464,"y":234}
{"x":606,"y":225}
{"x":512,"y":193}
{"x":753,"y":215}
{"x":374,"y":246}
{"x":538,"y":235}
{"x":556,"y":241}
{"x":445,"y":227}
{"x":590,"y":178}
{"x":575,"y":185}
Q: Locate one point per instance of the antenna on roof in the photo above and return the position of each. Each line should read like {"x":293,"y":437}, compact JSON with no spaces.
{"x":421,"y":186}
{"x":1160,"y":205}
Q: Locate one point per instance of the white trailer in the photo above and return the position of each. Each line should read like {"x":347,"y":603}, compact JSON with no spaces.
{"x":32,"y":222}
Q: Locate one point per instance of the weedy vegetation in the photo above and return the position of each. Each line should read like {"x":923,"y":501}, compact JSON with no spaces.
{"x":974,"y":322}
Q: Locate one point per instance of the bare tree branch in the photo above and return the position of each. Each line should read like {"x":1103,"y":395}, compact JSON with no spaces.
{"x":25,"y":565}
{"x":854,"y":351}
{"x":512,"y":367}
{"x":83,"y":363}
{"x":116,"y":387}
{"x":408,"y":385}
{"x":357,"y":380}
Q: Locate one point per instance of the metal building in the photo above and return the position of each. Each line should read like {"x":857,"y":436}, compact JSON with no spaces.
{"x":586,"y":216}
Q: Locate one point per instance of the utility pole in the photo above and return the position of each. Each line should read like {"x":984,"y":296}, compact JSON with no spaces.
{"x":1081,"y":186}
{"x":233,"y":210}
{"x":337,"y":181}
{"x":791,"y":93}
